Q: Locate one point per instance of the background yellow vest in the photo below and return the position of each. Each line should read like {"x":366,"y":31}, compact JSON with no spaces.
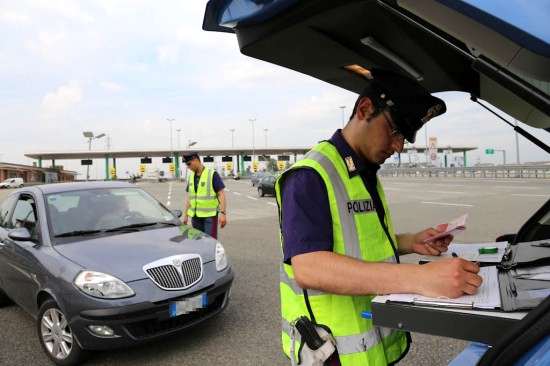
{"x":203,"y":202}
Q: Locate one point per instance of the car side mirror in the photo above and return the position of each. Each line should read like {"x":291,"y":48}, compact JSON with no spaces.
{"x":20,"y":234}
{"x":178,"y":213}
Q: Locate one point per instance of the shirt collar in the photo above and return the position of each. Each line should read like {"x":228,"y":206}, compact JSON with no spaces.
{"x":355,"y":164}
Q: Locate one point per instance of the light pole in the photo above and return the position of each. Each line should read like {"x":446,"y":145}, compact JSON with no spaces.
{"x":178,"y":131}
{"x":517,"y":145}
{"x":190,"y":143}
{"x":171,"y":144}
{"x":232,"y":130}
{"x":426,"y":136}
{"x":343,"y":107}
{"x":90,"y":136}
{"x":252,"y":120}
{"x":265,"y":135}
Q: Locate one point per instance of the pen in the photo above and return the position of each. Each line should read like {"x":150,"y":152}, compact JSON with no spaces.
{"x":366,"y":314}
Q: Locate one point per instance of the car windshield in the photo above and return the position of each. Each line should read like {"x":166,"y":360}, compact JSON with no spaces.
{"x":93,"y":211}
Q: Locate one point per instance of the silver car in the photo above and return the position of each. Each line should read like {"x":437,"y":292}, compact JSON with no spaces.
{"x":104,"y":265}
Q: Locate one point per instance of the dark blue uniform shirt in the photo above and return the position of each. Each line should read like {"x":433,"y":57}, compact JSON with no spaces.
{"x":306,"y":219}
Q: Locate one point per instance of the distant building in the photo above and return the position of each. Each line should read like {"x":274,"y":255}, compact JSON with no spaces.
{"x":34,"y":174}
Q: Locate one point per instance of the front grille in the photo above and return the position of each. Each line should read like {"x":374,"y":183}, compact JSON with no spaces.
{"x":166,"y":276}
{"x":152,"y":327}
{"x":176,"y":272}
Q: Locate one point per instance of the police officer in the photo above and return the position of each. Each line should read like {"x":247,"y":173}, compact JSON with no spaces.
{"x":205,"y":197}
{"x":338,"y":240}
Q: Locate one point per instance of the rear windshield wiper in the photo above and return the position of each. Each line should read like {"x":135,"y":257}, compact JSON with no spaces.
{"x":142,"y":224}
{"x":78,"y":233}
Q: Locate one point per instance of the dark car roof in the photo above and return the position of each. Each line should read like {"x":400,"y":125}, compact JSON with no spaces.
{"x":446,"y":45}
{"x":79,"y":186}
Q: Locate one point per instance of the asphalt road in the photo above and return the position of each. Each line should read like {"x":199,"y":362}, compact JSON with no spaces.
{"x":248,"y":332}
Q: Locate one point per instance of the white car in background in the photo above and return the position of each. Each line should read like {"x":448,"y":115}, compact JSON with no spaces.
{"x":12,"y":183}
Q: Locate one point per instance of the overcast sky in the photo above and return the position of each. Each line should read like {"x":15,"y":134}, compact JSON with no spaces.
{"x":122,"y":67}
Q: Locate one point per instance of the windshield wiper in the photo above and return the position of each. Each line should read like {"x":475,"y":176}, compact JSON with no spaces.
{"x":138,"y":225}
{"x":78,"y":233}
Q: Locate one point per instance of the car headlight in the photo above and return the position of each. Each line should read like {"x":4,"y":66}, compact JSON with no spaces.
{"x":221,"y":258}
{"x":102,"y":285}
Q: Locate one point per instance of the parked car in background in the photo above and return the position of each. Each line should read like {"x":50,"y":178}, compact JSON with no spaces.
{"x":266,"y":185}
{"x":103,"y":265}
{"x":12,"y":183}
{"x":255,"y":178}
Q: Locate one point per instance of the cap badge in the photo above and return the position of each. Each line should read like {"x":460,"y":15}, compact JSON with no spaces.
{"x":350,"y":164}
{"x":432,"y":112}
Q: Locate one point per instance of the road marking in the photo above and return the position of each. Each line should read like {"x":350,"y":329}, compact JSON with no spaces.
{"x":272,"y":204}
{"x":529,"y":195}
{"x":514,"y":187}
{"x":446,"y":204}
{"x":168,"y":203}
{"x":237,"y":193}
{"x":227,"y":189}
{"x":445,"y":192}
{"x":252,"y":198}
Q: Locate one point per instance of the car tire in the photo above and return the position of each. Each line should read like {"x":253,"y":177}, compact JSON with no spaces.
{"x":56,"y":336}
{"x":261,"y":192}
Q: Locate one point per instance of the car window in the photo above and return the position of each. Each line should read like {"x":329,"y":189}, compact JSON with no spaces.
{"x":102,"y":209}
{"x":24,"y":214}
{"x":5,"y":209}
{"x":63,"y":202}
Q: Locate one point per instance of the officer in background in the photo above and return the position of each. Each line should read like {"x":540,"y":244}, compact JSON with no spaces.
{"x":205,"y":197}
{"x":338,"y":240}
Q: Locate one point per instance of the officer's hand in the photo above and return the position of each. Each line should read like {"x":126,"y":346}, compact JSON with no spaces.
{"x":185,"y":220}
{"x":449,"y":278}
{"x":432,"y":248}
{"x":223,"y":220}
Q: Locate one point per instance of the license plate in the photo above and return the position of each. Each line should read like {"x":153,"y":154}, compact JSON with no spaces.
{"x":188,"y":305}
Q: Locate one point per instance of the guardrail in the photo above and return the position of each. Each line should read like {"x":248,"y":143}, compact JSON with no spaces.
{"x":502,"y":171}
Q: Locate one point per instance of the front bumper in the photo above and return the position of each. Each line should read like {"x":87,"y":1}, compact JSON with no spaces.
{"x":145,"y":321}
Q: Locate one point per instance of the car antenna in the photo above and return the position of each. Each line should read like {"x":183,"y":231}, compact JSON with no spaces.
{"x":516,"y":128}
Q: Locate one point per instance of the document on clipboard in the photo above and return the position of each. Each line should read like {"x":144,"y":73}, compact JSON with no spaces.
{"x":455,"y":226}
{"x":487,"y":296}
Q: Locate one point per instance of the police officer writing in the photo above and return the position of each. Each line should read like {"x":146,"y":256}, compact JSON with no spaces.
{"x":338,"y":240}
{"x":205,"y":197}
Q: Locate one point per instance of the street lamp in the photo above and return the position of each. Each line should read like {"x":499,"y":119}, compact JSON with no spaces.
{"x":190,"y":143}
{"x":342,"y":107}
{"x":178,"y":131}
{"x":252,"y":120}
{"x":171,"y":144}
{"x":265,"y":135}
{"x":90,"y":136}
{"x":232,"y":136}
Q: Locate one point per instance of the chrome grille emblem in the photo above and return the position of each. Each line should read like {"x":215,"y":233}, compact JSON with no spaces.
{"x":177,"y":272}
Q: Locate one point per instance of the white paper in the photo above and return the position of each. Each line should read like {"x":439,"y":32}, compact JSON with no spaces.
{"x":453,"y":227}
{"x":487,"y":296}
{"x":470,"y":252}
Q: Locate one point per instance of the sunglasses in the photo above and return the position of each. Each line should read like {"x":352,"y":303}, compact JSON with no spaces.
{"x":394,"y":131}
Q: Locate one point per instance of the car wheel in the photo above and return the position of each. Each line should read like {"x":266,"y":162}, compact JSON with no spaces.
{"x":261,"y":192}
{"x":56,"y":336}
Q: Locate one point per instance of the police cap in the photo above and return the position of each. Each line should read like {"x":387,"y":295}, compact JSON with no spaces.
{"x":190,"y":156}
{"x":410,"y":104}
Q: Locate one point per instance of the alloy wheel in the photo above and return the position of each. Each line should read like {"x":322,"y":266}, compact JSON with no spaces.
{"x":56,"y":334}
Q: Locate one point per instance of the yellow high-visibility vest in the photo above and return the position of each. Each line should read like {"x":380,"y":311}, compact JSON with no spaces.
{"x":357,"y":233}
{"x":203,"y":202}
